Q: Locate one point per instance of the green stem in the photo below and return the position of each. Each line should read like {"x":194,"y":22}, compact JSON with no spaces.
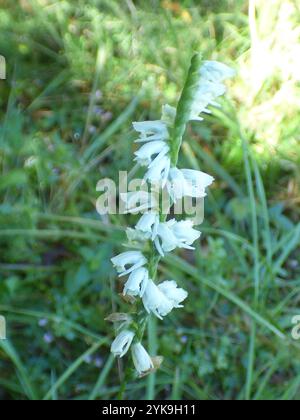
{"x":184,"y":108}
{"x":182,"y":117}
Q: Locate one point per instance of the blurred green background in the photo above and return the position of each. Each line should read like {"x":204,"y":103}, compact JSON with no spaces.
{"x":78,"y":74}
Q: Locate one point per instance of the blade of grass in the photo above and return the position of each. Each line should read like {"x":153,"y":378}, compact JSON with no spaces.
{"x":102,"y":378}
{"x":176,"y":391}
{"x":100,"y":62}
{"x":228,"y":235}
{"x":187,"y":268}
{"x":56,"y":233}
{"x":53,"y":318}
{"x":292,"y":390}
{"x":282,"y":244}
{"x":72,"y":369}
{"x":290,"y":246}
{"x":152,"y":345}
{"x":266,"y":378}
{"x":265,"y":212}
{"x":84,"y":222}
{"x":256,"y":274}
{"x":59,"y":80}
{"x":112,"y":129}
{"x":20,"y":368}
{"x":217,"y":169}
{"x":11,"y":386}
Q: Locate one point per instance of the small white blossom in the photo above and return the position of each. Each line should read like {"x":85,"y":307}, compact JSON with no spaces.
{"x":121,"y":343}
{"x":137,"y":282}
{"x":141,"y":359}
{"x":158,"y":170}
{"x":147,"y":224}
{"x":154,"y":154}
{"x":161,"y":299}
{"x":144,"y":156}
{"x":206,"y":95}
{"x":188,"y":183}
{"x":151,"y":130}
{"x":155,"y":301}
{"x":134,"y":235}
{"x":165,"y":240}
{"x":145,"y":228}
{"x":214,"y":71}
{"x":173,"y":234}
{"x":210,"y":87}
{"x":138,"y":201}
{"x":185,"y":232}
{"x":135,"y":259}
{"x":175,"y":294}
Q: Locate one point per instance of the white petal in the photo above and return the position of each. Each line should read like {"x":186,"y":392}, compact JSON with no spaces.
{"x":141,"y":359}
{"x":138,"y":201}
{"x":197,"y":178}
{"x":175,"y":294}
{"x":188,"y":183}
{"x":136,"y":283}
{"x":145,"y":153}
{"x":216,"y":71}
{"x":210,"y":86}
{"x":159,"y":170}
{"x":122,"y":342}
{"x":151,"y":130}
{"x":134,"y":235}
{"x":168,"y":239}
{"x":155,"y":301}
{"x":185,"y":233}
{"x":134,"y":258}
{"x":147,"y":222}
{"x":159,"y":247}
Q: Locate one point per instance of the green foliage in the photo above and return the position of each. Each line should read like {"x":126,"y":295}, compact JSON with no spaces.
{"x":78,"y":74}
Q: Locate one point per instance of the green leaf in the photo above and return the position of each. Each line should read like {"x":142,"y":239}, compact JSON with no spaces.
{"x":15,"y":178}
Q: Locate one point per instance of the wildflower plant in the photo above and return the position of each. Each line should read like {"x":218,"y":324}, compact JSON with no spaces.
{"x":154,"y":235}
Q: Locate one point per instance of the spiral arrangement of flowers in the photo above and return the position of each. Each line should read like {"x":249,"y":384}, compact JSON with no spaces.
{"x":154,"y":235}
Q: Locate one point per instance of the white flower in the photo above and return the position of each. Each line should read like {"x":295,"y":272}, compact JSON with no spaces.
{"x":158,"y":170}
{"x":173,"y":234}
{"x":134,"y":235}
{"x":148,"y":224}
{"x":138,"y":201}
{"x":206,"y":95}
{"x":185,"y":233}
{"x":137,"y":282}
{"x":188,"y":183}
{"x":121,"y":343}
{"x":175,"y":294}
{"x":145,"y":228}
{"x":214,"y":71}
{"x":151,"y":130}
{"x":210,"y":87}
{"x":141,"y":359}
{"x":161,"y":299}
{"x":134,"y":258}
{"x":165,"y":240}
{"x":147,"y":151}
{"x":155,"y":301}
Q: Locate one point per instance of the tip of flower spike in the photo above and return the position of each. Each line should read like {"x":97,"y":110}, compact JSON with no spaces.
{"x":197,"y":59}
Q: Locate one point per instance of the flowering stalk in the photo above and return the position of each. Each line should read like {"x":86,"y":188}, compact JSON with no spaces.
{"x":184,"y":107}
{"x":154,"y":235}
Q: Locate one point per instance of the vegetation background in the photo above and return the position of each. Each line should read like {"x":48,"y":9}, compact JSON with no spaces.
{"x":78,"y":74}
